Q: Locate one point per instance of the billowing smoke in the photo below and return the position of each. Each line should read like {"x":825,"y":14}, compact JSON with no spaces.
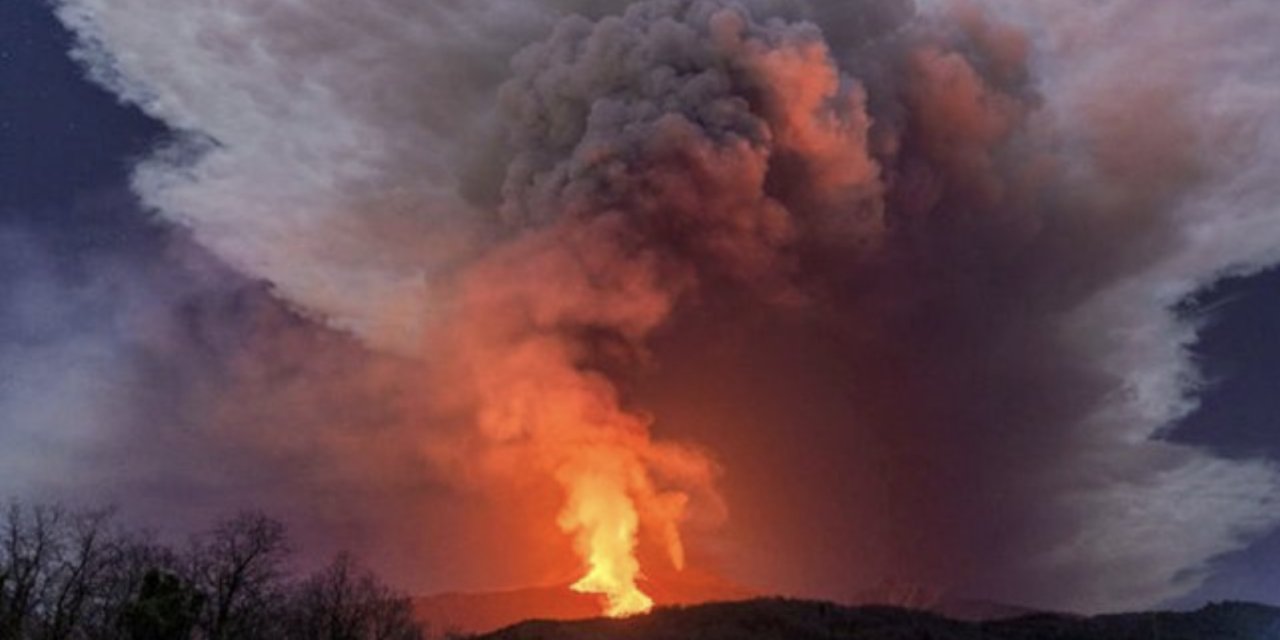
{"x":897,"y":285}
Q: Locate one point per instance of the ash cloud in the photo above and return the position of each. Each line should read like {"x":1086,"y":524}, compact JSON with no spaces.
{"x":909,"y":275}
{"x":167,"y":385}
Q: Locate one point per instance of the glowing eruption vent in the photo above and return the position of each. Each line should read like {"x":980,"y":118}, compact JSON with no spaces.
{"x":608,"y":522}
{"x":540,"y":411}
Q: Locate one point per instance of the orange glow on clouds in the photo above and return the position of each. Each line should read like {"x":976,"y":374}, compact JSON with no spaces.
{"x":544,"y":317}
{"x":540,"y":413}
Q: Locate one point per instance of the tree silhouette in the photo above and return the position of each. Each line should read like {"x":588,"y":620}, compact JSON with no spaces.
{"x":240,"y":566}
{"x":166,"y":608}
{"x":75,"y":576}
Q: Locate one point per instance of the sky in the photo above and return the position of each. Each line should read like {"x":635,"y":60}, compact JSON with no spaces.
{"x":214,"y":296}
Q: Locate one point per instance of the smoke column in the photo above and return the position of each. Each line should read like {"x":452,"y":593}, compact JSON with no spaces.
{"x":628,"y":193}
{"x":913,"y":270}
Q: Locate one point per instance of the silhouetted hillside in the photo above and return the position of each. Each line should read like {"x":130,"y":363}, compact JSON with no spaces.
{"x":905,"y":595}
{"x":477,"y":613}
{"x":485,"y":612}
{"x":771,"y":619}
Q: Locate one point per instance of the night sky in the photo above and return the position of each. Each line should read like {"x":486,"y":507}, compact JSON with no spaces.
{"x":75,"y":238}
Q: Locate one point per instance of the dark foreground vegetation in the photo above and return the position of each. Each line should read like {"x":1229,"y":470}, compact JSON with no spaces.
{"x":68,"y":575}
{"x":798,"y":620}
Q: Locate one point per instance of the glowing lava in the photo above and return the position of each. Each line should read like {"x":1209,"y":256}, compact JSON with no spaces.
{"x":605,"y":522}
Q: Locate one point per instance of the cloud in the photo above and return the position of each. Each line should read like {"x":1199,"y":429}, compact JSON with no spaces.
{"x":146,"y":374}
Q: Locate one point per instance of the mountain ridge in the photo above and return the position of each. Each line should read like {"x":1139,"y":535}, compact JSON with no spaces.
{"x":779,"y":618}
{"x":483,"y":612}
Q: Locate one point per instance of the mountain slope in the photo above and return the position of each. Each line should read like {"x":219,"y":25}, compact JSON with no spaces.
{"x":485,"y":612}
{"x":770,"y":619}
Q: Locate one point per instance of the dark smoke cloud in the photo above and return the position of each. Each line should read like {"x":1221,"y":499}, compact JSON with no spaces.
{"x":908,"y":274}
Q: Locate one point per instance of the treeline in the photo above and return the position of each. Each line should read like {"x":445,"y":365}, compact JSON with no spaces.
{"x":74,"y":575}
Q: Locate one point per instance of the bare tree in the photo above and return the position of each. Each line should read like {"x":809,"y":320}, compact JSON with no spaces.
{"x":26,"y":550}
{"x":166,"y":607}
{"x":83,"y":559}
{"x":239,"y":567}
{"x":126,"y":605}
{"x":346,"y":602}
{"x":75,"y":576}
{"x":54,"y":568}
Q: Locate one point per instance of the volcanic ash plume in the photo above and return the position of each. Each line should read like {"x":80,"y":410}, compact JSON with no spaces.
{"x":639,"y":174}
{"x":908,"y":273}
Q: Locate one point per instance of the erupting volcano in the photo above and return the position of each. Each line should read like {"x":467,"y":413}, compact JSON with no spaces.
{"x":811,"y":294}
{"x":642,"y":145}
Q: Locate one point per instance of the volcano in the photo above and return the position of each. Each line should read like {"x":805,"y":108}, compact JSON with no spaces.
{"x":490,"y":611}
{"x":806,"y":620}
{"x":474,"y":613}
{"x":574,"y":293}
